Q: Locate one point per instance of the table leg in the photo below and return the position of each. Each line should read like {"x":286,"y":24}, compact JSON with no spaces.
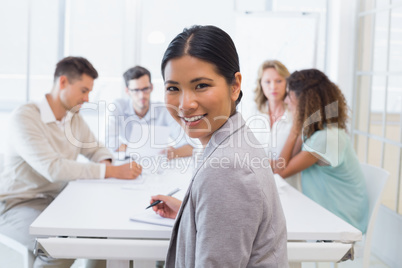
{"x":295,"y":265}
{"x":117,"y":264}
{"x":144,"y":264}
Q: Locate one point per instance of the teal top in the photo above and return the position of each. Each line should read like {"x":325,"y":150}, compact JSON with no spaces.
{"x":336,"y":182}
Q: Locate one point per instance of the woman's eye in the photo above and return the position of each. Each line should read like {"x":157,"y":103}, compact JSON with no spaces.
{"x":200,"y":86}
{"x":279,"y":81}
{"x":172,"y":89}
{"x":268,"y":82}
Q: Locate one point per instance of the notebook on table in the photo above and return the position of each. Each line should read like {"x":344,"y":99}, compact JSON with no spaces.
{"x":149,"y":216}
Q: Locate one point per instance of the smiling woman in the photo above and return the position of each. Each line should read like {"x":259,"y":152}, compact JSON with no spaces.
{"x":203,"y":80}
{"x":203,"y":87}
{"x":199,"y":98}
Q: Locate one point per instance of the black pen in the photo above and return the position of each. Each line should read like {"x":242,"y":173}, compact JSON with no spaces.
{"x":158,"y":201}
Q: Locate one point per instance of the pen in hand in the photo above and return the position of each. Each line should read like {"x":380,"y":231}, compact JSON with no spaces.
{"x":158,"y":201}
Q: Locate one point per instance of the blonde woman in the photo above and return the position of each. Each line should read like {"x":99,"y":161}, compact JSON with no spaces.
{"x":272,"y":123}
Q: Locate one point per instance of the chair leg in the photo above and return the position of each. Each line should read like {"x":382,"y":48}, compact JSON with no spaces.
{"x":334,"y":265}
{"x":30,"y":259}
{"x":26,"y":255}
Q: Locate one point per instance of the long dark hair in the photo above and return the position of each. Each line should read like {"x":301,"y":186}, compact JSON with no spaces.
{"x":320,"y":102}
{"x":210,"y":44}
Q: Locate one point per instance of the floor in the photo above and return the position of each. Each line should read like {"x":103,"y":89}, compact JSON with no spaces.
{"x":11,"y":259}
{"x":374,"y":263}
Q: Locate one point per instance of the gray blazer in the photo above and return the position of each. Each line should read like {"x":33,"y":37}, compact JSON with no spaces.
{"x":231,"y":215}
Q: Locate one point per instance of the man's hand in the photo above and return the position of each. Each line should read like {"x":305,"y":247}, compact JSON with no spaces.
{"x":122,"y":148}
{"x":127,"y":171}
{"x":170,"y":153}
{"x":107,"y":162}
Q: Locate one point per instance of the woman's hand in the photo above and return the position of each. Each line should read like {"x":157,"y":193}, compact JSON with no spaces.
{"x":295,"y":130}
{"x":169,"y":206}
{"x":277,"y":164}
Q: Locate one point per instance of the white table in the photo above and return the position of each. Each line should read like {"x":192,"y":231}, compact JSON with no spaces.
{"x":90,"y":219}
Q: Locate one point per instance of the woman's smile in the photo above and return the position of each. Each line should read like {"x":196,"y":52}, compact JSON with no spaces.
{"x":197,"y":96}
{"x":192,"y":120}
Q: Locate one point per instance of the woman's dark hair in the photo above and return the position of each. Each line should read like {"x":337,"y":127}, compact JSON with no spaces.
{"x":320,"y":102}
{"x":210,"y":44}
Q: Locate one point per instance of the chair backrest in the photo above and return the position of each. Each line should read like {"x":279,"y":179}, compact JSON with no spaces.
{"x":1,"y":162}
{"x":375,"y":182}
{"x":26,"y":256}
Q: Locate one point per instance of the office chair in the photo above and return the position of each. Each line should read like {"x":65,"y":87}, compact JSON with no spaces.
{"x":375,"y":182}
{"x":26,"y":256}
{"x":376,"y":179}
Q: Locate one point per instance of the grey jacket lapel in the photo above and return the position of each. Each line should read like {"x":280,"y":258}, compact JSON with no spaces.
{"x":232,"y":125}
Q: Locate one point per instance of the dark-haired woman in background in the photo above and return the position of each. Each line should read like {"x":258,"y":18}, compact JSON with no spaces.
{"x":231,"y":215}
{"x":319,"y":147}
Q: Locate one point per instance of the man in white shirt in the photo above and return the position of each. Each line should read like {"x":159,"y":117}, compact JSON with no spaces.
{"x":40,"y":158}
{"x":130,"y":113}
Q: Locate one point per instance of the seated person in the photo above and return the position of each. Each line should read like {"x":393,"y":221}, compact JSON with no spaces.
{"x":231,"y":215}
{"x":319,"y":147}
{"x":45,"y":139}
{"x":138,"y":109}
{"x":272,"y":123}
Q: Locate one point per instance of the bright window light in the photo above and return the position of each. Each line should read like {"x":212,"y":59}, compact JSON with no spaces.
{"x":156,"y":37}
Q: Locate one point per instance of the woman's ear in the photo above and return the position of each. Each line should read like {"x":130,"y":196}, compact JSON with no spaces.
{"x":236,"y":86}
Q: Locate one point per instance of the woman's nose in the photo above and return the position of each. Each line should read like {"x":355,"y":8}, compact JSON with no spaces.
{"x":188,"y":100}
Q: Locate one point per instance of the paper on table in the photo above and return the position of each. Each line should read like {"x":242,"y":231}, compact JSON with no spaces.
{"x":139,"y":180}
{"x":149,"y":216}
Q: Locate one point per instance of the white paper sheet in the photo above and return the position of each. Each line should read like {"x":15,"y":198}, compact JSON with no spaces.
{"x":139,"y":180}
{"x":149,"y":216}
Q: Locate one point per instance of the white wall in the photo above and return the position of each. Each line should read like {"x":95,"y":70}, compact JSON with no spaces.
{"x":341,"y":45}
{"x":342,"y":37}
{"x":3,"y":123}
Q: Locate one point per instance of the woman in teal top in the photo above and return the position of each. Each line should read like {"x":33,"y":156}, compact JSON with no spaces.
{"x":319,"y":147}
